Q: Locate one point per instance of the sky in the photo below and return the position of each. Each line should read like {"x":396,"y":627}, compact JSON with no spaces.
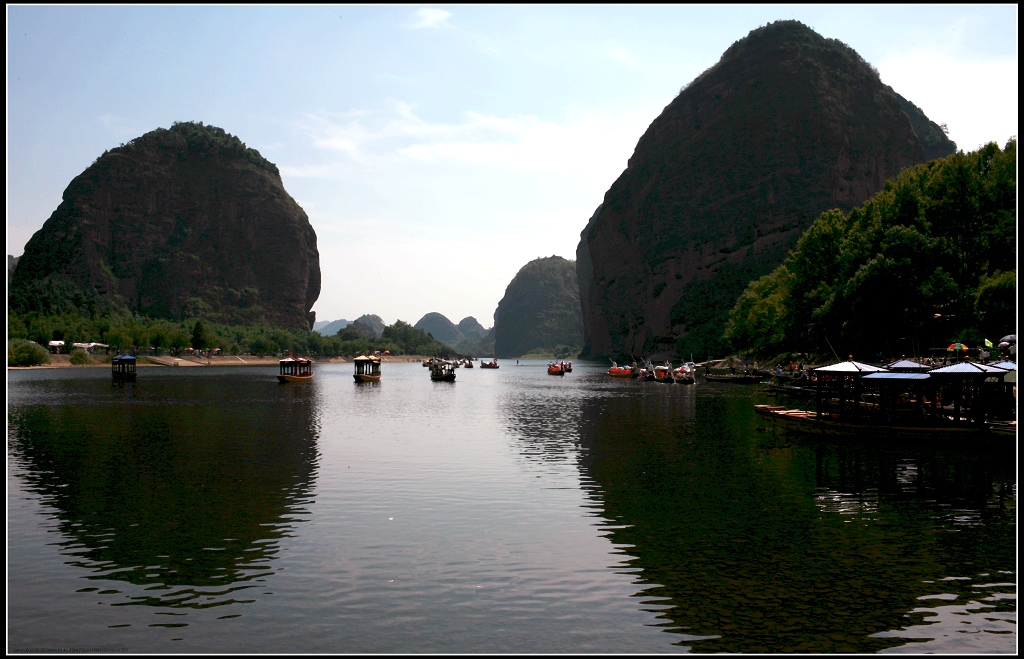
{"x":437,"y":149}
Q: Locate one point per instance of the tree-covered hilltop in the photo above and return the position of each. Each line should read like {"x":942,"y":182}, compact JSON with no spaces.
{"x":540,"y":311}
{"x":141,"y":335}
{"x":178,"y":223}
{"x":929,"y":260}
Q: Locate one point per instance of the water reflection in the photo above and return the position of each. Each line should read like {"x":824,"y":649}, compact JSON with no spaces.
{"x":168,"y":492}
{"x":746,"y":542}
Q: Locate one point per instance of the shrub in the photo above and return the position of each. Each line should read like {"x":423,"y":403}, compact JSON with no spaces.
{"x":26,"y":353}
{"x":80,"y":357}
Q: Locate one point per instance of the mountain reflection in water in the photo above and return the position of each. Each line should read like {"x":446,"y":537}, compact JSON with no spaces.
{"x":508,"y":511}
{"x":179,"y":489}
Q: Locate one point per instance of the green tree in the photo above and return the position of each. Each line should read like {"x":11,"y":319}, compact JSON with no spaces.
{"x":26,"y":353}
{"x":198,"y":335}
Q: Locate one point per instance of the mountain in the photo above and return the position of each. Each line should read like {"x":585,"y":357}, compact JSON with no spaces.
{"x":180,"y":222}
{"x":540,"y":311}
{"x":373,"y":322}
{"x":471,"y":329}
{"x":786,"y":125}
{"x":329,"y":327}
{"x":440,"y":328}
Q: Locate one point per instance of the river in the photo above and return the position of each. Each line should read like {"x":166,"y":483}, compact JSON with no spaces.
{"x":215,"y":510}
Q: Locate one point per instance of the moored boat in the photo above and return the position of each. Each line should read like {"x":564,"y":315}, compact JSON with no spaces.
{"x":491,"y":364}
{"x":122,"y":368}
{"x":367,"y":368}
{"x":834,"y":425}
{"x":739,"y":378}
{"x":295,"y":369}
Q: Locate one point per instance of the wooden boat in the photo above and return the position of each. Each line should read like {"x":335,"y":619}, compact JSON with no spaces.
{"x":663,"y":373}
{"x":685,"y":373}
{"x":739,"y":378}
{"x":295,"y":369}
{"x":791,"y":389}
{"x":468,"y":362}
{"x":568,"y":367}
{"x":442,"y":370}
{"x":556,"y":368}
{"x":367,"y":368}
{"x":832,"y":425}
{"x":617,"y":371}
{"x":491,"y":364}
{"x":122,"y":368}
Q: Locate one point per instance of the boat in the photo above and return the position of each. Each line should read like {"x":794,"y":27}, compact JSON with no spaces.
{"x":684,"y":373}
{"x":663,"y":373}
{"x":367,"y":368}
{"x":491,"y":364}
{"x":739,"y":378}
{"x":835,"y":426}
{"x":556,"y":368}
{"x":295,"y":369}
{"x":442,"y":370}
{"x":468,"y":362}
{"x":627,"y":371}
{"x":568,"y":367}
{"x":855,"y":400}
{"x":122,"y":368}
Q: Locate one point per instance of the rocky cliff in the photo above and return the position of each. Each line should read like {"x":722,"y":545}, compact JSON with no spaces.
{"x":540,"y":310}
{"x":177,"y":223}
{"x":786,"y":125}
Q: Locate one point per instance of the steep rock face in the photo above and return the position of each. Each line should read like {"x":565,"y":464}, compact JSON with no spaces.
{"x":182,"y":222}
{"x":785,"y":126}
{"x":438,"y":326}
{"x":540,"y":309}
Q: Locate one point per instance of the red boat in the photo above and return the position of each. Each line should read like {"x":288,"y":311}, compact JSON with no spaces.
{"x":617,"y":371}
{"x":556,"y":368}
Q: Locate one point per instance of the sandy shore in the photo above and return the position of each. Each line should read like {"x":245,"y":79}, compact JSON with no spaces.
{"x":149,"y":361}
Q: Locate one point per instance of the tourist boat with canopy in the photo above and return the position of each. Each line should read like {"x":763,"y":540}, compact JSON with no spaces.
{"x":122,"y":368}
{"x":367,"y":368}
{"x":442,"y":370}
{"x":295,"y":369}
{"x":491,"y":364}
{"x":856,"y":400}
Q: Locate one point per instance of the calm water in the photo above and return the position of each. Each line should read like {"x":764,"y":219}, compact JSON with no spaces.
{"x":215,"y":510}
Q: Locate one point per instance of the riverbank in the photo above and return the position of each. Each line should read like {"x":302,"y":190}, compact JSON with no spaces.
{"x":148,"y":361}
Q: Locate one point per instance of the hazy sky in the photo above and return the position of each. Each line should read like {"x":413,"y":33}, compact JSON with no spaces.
{"x":437,"y":149}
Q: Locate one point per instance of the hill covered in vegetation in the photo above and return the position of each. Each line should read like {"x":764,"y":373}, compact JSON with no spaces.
{"x":540,"y":312}
{"x":929,"y":260}
{"x":788,"y":124}
{"x":179,"y":223}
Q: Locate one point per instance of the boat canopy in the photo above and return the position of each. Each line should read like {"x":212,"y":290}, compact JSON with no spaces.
{"x":907,"y":365}
{"x":851,"y":367}
{"x":1009,"y":366}
{"x":968,"y":368}
{"x":896,"y":376}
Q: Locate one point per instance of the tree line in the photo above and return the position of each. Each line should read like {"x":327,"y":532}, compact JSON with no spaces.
{"x":139,"y":334}
{"x":929,"y":260}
